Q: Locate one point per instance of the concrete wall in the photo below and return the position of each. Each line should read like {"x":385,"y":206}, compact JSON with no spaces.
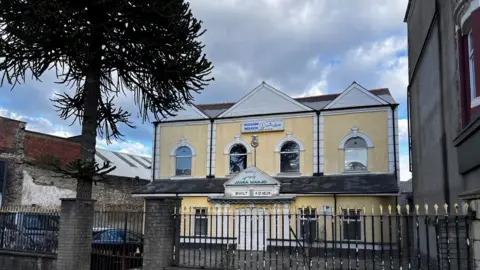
{"x":28,"y":261}
{"x":45,"y":188}
{"x":434,"y":103}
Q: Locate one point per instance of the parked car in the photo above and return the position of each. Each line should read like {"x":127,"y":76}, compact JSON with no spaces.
{"x":29,"y":231}
{"x":116,"y":249}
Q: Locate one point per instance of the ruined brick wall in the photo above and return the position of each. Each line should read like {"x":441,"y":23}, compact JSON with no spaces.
{"x":45,"y":188}
{"x":37,"y":145}
{"x":11,"y":150}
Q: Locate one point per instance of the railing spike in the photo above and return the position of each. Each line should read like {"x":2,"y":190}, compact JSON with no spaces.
{"x":417,"y":208}
{"x":435,"y":206}
{"x":445,"y":207}
{"x":456,"y":208}
{"x":373,"y":210}
{"x":399,"y":209}
{"x":426,"y":209}
{"x":389,"y":210}
{"x":381,"y":209}
{"x":465,"y":208}
{"x":408,"y":209}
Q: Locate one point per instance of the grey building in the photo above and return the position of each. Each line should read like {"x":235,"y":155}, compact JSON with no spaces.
{"x":444,"y":98}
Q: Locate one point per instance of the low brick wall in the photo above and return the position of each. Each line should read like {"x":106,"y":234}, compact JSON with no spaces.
{"x":27,"y":260}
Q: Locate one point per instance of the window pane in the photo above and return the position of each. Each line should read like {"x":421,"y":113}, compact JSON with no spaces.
{"x":238,"y":163}
{"x":290,"y":147}
{"x":356,"y":143}
{"x":184,"y":151}
{"x":289,"y":162}
{"x":183,"y":166}
{"x":356,"y":159}
{"x":238,"y":149}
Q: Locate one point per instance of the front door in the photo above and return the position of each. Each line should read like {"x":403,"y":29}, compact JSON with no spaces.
{"x":252,"y":228}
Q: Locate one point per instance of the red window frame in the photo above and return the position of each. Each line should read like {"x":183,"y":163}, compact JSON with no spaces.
{"x":466,"y":111}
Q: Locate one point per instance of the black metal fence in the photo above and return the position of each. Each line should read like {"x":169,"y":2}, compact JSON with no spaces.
{"x":117,"y":240}
{"x":322,"y":238}
{"x":29,"y":229}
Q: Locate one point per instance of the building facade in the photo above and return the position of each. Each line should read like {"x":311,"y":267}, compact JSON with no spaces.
{"x":272,"y":152}
{"x":443,"y":98}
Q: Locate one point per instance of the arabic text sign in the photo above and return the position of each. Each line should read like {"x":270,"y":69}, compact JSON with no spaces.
{"x":262,"y":126}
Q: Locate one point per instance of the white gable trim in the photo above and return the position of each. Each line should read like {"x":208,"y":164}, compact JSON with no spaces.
{"x":180,"y":114}
{"x":352,"y":87}
{"x":180,"y":144}
{"x":288,"y":138}
{"x":273,"y":90}
{"x":237,"y":140}
{"x":355,"y":134}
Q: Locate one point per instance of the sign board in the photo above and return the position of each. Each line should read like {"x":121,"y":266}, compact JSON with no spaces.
{"x":242,"y":193}
{"x":262,"y":193}
{"x":250,"y":176}
{"x":263,"y":126}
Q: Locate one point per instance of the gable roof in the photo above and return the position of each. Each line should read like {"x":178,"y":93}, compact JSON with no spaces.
{"x":264,"y":97}
{"x":355,"y":95}
{"x":127,"y":165}
{"x":314,"y":102}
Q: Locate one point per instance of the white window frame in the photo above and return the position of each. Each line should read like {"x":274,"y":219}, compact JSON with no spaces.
{"x":359,"y":148}
{"x":200,"y":217}
{"x":347,"y":220}
{"x":191,"y":162}
{"x":307,"y":211}
{"x":471,"y":68}
{"x":300,"y":147}
{"x":230,"y":154}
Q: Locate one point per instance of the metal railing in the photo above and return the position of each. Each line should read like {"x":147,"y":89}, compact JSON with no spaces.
{"x":117,"y":240}
{"x":29,"y":229}
{"x":323,"y":238}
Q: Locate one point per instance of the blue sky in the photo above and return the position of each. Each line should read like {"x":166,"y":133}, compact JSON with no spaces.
{"x":302,"y":47}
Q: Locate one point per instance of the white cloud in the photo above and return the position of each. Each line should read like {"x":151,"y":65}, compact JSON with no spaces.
{"x":403,"y":130}
{"x":405,"y":173}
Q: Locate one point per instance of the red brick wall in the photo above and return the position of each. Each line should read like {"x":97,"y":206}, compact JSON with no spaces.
{"x":8,"y":132}
{"x":37,"y":145}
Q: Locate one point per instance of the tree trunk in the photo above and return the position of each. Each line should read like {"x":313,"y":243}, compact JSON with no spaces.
{"x":89,"y":132}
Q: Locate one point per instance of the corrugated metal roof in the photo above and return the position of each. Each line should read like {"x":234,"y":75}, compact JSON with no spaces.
{"x":127,"y":165}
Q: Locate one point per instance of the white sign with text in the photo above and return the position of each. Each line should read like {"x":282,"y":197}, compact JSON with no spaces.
{"x":263,"y":126}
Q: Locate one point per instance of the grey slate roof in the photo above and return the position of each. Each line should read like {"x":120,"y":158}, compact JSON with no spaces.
{"x":315,"y":102}
{"x":405,"y":186}
{"x":327,"y":184}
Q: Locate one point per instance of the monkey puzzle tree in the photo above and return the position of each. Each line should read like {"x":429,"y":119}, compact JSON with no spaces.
{"x":105,"y":48}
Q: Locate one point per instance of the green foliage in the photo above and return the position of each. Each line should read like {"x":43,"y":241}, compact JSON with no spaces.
{"x":150,"y":48}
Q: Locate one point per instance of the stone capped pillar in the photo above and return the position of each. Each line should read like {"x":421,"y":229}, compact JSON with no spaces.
{"x":160,"y":232}
{"x":75,"y":235}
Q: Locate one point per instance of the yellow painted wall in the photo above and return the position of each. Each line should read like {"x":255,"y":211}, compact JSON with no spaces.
{"x":373,"y":124}
{"x":196,"y":135}
{"x":276,"y":222}
{"x":267,"y":159}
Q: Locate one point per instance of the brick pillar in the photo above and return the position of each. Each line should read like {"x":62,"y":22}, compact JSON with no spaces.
{"x":75,"y":236}
{"x":160,"y":232}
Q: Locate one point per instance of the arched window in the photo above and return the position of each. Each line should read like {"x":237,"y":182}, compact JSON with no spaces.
{"x":356,"y":155}
{"x":290,"y":157}
{"x":238,"y":158}
{"x":183,"y":161}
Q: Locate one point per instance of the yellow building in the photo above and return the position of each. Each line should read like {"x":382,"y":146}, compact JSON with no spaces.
{"x":261,"y":168}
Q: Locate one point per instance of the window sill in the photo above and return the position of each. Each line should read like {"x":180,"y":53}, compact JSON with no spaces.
{"x":356,"y":172}
{"x":467,"y":140}
{"x":289,"y":174}
{"x":181,"y":177}
{"x":475,"y":102}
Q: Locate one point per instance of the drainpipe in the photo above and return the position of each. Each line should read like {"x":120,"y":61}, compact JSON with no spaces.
{"x":211,"y":148}
{"x":318,"y":173}
{"x":394,"y":143}
{"x":154,"y":164}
